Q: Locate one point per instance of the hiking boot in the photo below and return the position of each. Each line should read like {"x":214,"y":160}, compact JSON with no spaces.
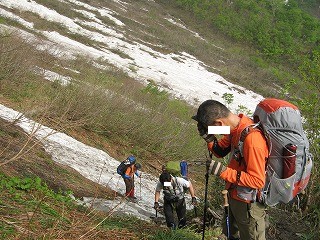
{"x":172,"y":226}
{"x":132,"y":199}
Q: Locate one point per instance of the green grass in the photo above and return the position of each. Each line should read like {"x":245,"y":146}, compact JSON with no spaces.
{"x":34,"y":207}
{"x":180,"y":234}
{"x":27,"y":195}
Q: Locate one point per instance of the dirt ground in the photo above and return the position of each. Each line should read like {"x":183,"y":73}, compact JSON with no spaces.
{"x":288,"y":224}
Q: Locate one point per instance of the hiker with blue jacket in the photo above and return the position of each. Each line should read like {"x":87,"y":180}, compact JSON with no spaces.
{"x":173,"y":198}
{"x":244,"y":176}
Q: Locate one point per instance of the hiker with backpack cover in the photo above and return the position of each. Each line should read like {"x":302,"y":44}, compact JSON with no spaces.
{"x":128,"y":169}
{"x":173,"y":198}
{"x":243,"y":177}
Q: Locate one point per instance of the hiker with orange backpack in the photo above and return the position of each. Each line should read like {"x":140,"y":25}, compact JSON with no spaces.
{"x":244,"y":176}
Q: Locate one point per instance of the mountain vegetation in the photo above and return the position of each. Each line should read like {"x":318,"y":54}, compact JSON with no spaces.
{"x":273,"y":49}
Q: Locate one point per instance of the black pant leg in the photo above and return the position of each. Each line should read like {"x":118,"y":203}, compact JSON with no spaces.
{"x":181,"y":212}
{"x":168,"y":213}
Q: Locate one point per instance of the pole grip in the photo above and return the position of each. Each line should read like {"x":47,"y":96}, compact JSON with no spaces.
{"x":226,"y":210}
{"x":225,"y":198}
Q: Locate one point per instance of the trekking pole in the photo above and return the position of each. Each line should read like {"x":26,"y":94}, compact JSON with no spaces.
{"x":205,"y":199}
{"x":115,"y":192}
{"x":140,"y":188}
{"x":226,"y":211}
{"x":195,"y":211}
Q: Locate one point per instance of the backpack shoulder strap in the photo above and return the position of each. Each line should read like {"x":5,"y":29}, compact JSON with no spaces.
{"x":175,"y":184}
{"x":245,"y":132}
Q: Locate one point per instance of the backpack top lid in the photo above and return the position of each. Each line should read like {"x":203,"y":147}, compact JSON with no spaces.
{"x":131,"y":159}
{"x":282,"y":124}
{"x":273,"y":104}
{"x":276,"y":113}
{"x":173,"y":167}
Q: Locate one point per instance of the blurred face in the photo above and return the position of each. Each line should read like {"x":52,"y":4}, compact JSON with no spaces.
{"x":167,"y":184}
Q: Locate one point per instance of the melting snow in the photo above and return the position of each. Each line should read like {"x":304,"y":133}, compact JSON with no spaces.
{"x":90,"y":162}
{"x":184,"y":78}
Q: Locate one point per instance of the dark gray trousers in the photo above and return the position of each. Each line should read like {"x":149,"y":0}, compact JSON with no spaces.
{"x":180,"y":208}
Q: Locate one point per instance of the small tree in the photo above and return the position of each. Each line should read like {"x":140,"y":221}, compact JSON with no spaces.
{"x":228,"y":98}
{"x":243,"y":109}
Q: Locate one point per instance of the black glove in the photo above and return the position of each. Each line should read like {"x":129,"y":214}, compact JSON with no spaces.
{"x":194,"y":201}
{"x":216,"y":168}
{"x":156,"y":205}
{"x":204,"y":134}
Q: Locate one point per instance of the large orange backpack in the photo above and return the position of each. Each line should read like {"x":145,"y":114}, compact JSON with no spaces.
{"x":289,"y":164}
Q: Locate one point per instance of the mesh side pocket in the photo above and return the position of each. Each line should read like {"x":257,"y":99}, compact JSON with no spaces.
{"x":280,"y":190}
{"x":302,"y":184}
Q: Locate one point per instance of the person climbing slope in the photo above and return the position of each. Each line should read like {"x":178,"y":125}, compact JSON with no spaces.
{"x":174,"y":198}
{"x":128,"y":169}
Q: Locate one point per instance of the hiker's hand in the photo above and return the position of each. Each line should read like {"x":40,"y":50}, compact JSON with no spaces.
{"x":209,"y":138}
{"x":194,"y":201}
{"x":156,"y":205}
{"x":126,"y":176}
{"x":203,"y":132}
{"x":216,"y":168}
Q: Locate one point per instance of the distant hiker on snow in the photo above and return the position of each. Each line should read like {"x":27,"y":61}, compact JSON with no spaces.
{"x":173,"y":191}
{"x":128,"y":169}
{"x":243,"y":176}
